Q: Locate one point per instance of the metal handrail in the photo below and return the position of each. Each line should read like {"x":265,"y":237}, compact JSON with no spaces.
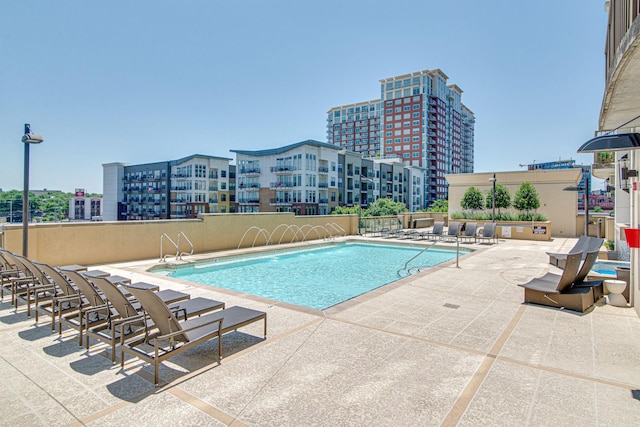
{"x":166,"y":236}
{"x":188,"y":241}
{"x":414,"y":257}
{"x":178,"y":255}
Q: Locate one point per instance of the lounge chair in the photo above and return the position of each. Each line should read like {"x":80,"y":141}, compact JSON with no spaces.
{"x":452,"y":231}
{"x":129,"y":310}
{"x":66,"y":298}
{"x":556,"y":291}
{"x":469,"y":232}
{"x":488,"y":233}
{"x":593,"y":244}
{"x":580,"y":246}
{"x":435,"y":232}
{"x":97,"y":311}
{"x":585,"y":269}
{"x":170,"y":337}
{"x":18,"y":273}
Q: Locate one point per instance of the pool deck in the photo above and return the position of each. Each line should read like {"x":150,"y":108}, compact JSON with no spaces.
{"x":449,"y":346}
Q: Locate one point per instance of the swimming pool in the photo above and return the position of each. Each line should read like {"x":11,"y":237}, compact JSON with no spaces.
{"x":608,"y":267}
{"x":316,"y":277}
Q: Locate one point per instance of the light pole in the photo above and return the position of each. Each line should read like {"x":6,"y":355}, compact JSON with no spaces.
{"x":28,"y":138}
{"x":493,"y":199}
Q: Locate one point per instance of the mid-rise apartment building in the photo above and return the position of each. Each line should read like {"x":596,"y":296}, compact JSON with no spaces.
{"x":418,"y":120}
{"x":300,"y":178}
{"x":312,"y":178}
{"x":169,"y":189}
{"x":84,"y":208}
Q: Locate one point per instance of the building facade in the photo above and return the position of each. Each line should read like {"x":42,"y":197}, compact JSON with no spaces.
{"x":82,"y":208}
{"x":313,"y":178}
{"x":300,"y":178}
{"x":180,"y":188}
{"x":419,"y":120}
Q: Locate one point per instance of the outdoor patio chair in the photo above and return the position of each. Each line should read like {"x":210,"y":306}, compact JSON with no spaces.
{"x":555,"y":290}
{"x":452,"y":232}
{"x":580,"y":246}
{"x":488,"y":233}
{"x":585,"y":269}
{"x":129,"y":310}
{"x":168,"y":336}
{"x":38,"y":291}
{"x":66,"y":297}
{"x":435,"y":232}
{"x":469,"y":232}
{"x":593,"y":244}
{"x":16,"y":273}
{"x":97,"y":312}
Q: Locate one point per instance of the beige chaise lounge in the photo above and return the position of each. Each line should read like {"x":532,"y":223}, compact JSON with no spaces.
{"x":556,"y":291}
{"x":168,"y":337}
{"x":128,"y":311}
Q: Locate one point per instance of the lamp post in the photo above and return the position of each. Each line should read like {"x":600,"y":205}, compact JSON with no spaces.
{"x":28,"y":138}
{"x":493,"y":198}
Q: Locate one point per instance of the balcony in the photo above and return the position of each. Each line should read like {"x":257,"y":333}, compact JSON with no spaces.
{"x":250,"y":187}
{"x":323,"y":170}
{"x":280,"y":202}
{"x":249,"y":201}
{"x":278,"y":170}
{"x":249,"y":171}
{"x":323,"y":185}
{"x":278,"y":185}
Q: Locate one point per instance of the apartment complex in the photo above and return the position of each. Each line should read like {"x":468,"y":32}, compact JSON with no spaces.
{"x":419,"y":120}
{"x":301,"y":178}
{"x":169,"y":189}
{"x":307,"y":178}
{"x":312,"y":178}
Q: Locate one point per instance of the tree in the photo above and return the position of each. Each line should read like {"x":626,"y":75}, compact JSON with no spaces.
{"x":472,"y":199}
{"x":440,"y":205}
{"x":503,"y":198}
{"x":385,"y":207}
{"x":345,"y":210}
{"x":526,"y":198}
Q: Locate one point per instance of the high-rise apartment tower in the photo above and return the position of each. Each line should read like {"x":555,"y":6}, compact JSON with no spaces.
{"x":419,"y":120}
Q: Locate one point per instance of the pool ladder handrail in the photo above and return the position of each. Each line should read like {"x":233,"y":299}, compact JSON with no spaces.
{"x":178,"y":254}
{"x":412,"y":258}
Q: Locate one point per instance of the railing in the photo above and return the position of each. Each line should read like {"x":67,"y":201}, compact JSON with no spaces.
{"x":622,"y":15}
{"x":178,"y":254}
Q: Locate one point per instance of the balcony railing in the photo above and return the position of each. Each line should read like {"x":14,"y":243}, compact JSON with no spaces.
{"x":622,"y":16}
{"x":276,"y":185}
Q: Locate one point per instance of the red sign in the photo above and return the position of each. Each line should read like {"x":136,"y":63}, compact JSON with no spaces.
{"x":79,"y":192}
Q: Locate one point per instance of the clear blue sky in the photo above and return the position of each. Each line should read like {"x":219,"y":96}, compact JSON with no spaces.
{"x":145,"y":81}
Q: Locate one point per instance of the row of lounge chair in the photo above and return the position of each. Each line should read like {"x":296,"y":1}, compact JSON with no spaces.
{"x":570,"y":289}
{"x":151,"y":324}
{"x":468,"y":232}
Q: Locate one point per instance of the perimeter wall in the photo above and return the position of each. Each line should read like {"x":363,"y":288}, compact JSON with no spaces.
{"x":90,"y":243}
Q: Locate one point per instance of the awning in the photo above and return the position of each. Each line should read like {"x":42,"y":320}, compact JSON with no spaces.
{"x":614,"y":142}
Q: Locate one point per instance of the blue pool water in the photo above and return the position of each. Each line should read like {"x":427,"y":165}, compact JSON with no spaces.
{"x":608,"y":267}
{"x":317,"y":278}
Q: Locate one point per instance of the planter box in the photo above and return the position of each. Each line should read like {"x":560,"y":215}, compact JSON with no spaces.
{"x":524,"y":230}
